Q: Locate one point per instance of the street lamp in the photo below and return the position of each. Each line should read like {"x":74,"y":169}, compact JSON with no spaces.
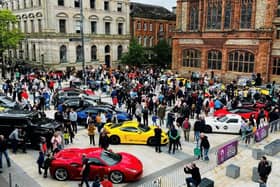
{"x":82,"y":39}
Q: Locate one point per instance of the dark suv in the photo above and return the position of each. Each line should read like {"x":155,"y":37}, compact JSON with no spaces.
{"x":33,"y":122}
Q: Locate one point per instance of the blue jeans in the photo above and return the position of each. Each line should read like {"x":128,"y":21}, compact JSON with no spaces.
{"x":205,"y":154}
{"x":7,"y":158}
{"x":191,"y":182}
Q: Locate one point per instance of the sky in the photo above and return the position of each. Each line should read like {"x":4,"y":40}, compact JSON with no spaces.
{"x":165,"y":3}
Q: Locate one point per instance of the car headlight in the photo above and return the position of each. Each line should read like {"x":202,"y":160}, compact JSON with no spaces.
{"x":131,"y":170}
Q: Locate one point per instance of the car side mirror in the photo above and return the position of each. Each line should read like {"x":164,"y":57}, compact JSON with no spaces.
{"x":139,"y":132}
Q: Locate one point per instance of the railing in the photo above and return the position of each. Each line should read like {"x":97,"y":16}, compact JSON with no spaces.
{"x":177,"y":176}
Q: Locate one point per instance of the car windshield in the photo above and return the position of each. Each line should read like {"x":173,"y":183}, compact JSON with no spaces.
{"x":110,"y":158}
{"x":222,"y":119}
{"x":39,"y":119}
{"x":144,"y":128}
{"x":234,"y":110}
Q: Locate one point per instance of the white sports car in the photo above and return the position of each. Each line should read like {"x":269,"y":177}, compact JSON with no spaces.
{"x":230,"y":123}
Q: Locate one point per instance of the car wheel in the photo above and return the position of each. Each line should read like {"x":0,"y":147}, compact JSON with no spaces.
{"x":116,"y":177}
{"x":114,"y":140}
{"x":208,"y":129}
{"x":151,"y":141}
{"x":61,"y":174}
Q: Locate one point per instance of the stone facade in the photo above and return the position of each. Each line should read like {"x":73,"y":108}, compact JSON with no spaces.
{"x":240,"y":41}
{"x":55,"y":43}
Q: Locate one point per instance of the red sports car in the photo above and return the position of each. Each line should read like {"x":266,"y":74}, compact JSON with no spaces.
{"x":244,"y":112}
{"x":120,"y":167}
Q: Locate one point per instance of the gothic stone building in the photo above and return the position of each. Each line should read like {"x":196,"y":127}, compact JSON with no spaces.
{"x":230,"y":37}
{"x":151,"y":23}
{"x":52,"y":30}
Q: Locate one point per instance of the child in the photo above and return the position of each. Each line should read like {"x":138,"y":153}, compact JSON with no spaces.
{"x":154,"y":119}
{"x":66,"y":137}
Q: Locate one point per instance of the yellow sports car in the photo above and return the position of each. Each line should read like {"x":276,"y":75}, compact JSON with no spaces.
{"x":178,"y":79}
{"x":132,"y":133}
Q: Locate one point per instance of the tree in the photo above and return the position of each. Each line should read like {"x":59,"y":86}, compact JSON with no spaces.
{"x":162,"y":54}
{"x":135,"y":55}
{"x":9,"y":35}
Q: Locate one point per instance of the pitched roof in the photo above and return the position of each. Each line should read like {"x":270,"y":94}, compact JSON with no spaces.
{"x":150,"y":11}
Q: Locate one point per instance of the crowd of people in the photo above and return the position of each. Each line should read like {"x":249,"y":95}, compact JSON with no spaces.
{"x":145,"y":93}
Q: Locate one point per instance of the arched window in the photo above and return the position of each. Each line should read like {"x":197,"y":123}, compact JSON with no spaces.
{"x":194,"y":14}
{"x":241,"y":61}
{"x":145,"y":42}
{"x":107,"y":49}
{"x":139,"y":40}
{"x":214,"y":60}
{"x":120,"y":51}
{"x":63,"y":54}
{"x":151,"y":41}
{"x":79,"y":56}
{"x":214,"y":14}
{"x":191,"y":58}
{"x":93,"y":52}
{"x":246,"y":14}
{"x":227,"y":21}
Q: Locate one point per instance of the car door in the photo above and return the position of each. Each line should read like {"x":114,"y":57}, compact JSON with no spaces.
{"x":131,"y":134}
{"x":232,"y":125}
{"x":218,"y":126}
{"x":97,"y":167}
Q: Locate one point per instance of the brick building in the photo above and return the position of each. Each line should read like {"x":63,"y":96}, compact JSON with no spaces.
{"x":150,"y":23}
{"x":231,"y":37}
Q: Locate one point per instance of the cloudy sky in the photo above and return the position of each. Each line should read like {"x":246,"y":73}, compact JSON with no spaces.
{"x":166,"y":3}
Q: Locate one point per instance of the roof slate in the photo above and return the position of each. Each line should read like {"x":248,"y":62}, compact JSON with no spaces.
{"x":150,"y":11}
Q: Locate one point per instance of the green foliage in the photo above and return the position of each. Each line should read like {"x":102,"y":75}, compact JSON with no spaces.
{"x":9,"y":35}
{"x":135,"y":55}
{"x":162,"y":54}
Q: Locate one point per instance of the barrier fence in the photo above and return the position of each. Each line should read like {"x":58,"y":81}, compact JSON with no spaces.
{"x":218,"y":154}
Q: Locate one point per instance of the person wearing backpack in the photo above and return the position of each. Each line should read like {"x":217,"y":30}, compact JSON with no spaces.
{"x":264,"y":169}
{"x":186,"y":129}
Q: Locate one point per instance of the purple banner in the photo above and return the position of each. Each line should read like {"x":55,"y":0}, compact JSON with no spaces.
{"x":261,"y":133}
{"x":227,"y":151}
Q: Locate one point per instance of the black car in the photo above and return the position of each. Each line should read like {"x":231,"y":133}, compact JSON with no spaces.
{"x":62,"y":96}
{"x":34,"y":123}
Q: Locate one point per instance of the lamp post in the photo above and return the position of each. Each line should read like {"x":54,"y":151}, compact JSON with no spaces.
{"x":82,"y":39}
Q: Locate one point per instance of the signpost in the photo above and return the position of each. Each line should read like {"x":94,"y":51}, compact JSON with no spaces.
{"x":227,"y":151}
{"x":261,"y":133}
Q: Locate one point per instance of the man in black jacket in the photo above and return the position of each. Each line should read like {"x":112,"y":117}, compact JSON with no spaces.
{"x":204,"y":146}
{"x":173,"y":136}
{"x":158,"y":132}
{"x":194,"y":171}
{"x":264,"y":169}
{"x":273,"y":116}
